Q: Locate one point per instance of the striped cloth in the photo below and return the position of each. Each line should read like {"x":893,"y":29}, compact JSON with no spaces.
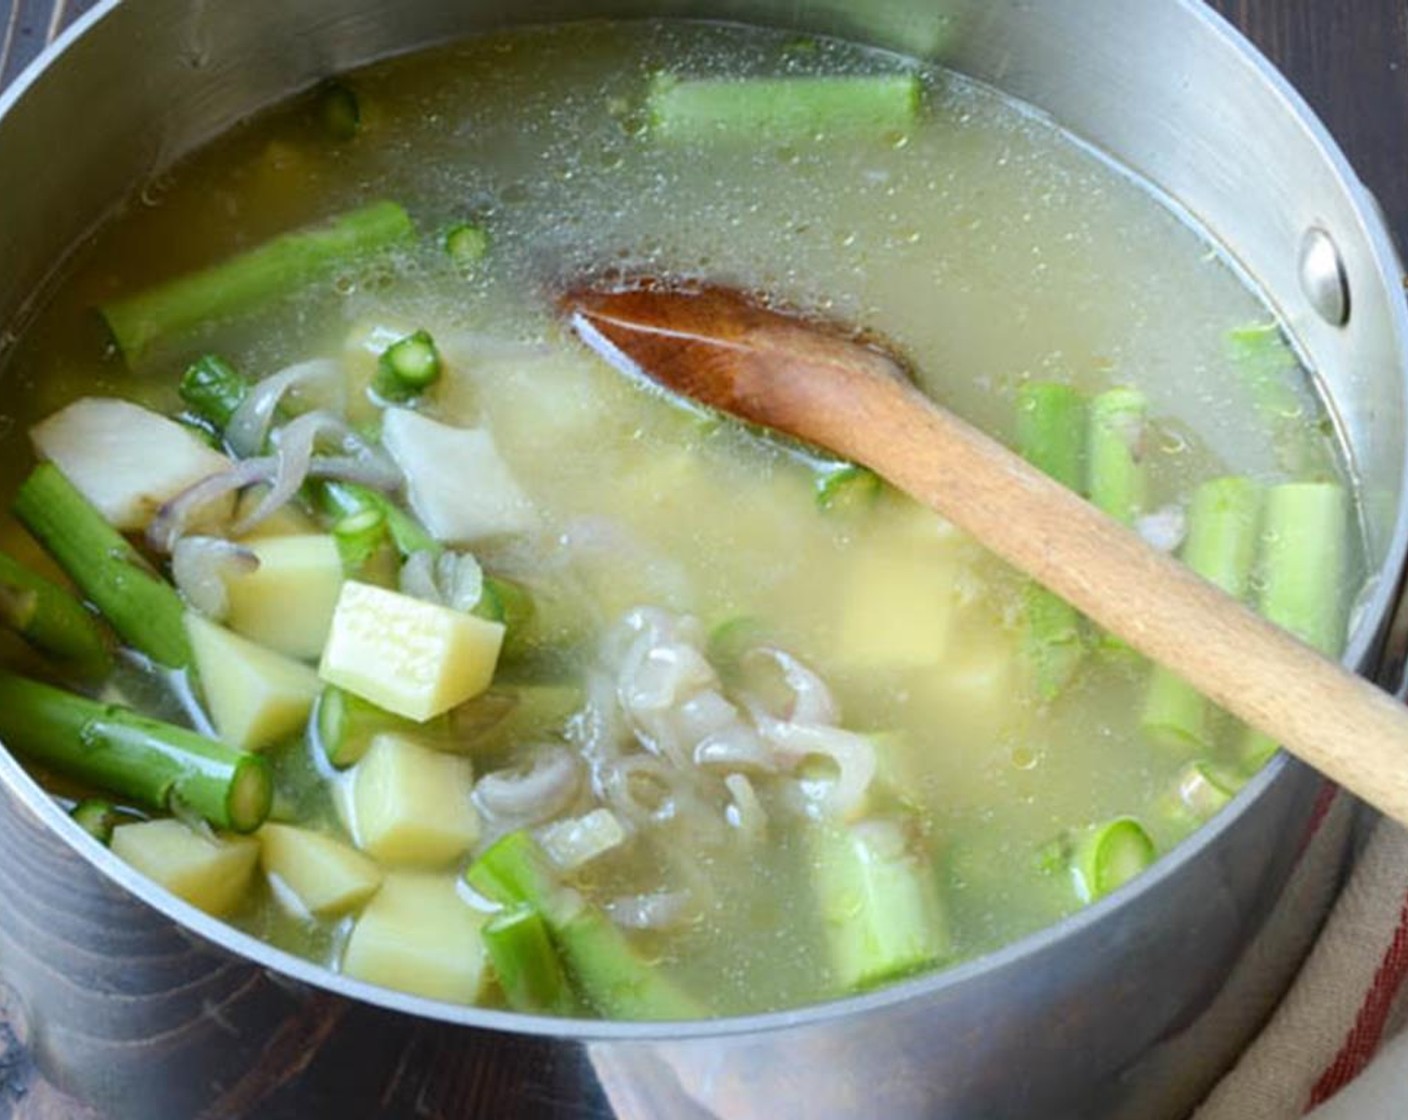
{"x":1336,"y":1048}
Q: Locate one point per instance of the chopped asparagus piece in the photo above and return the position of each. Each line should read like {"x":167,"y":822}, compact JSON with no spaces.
{"x":610,"y":975}
{"x":407,"y":368}
{"x":1117,"y":477}
{"x":339,"y":113}
{"x":1303,"y":564}
{"x":96,"y":817}
{"x":692,"y":110}
{"x":1223,"y":525}
{"x":846,"y":487}
{"x":466,"y":244}
{"x":879,"y":903}
{"x":281,"y":265}
{"x":52,"y":620}
{"x":1051,"y":436}
{"x":527,"y":965}
{"x":1108,"y":855}
{"x":213,"y":389}
{"x":144,"y":609}
{"x":133,"y":756}
{"x":346,"y":498}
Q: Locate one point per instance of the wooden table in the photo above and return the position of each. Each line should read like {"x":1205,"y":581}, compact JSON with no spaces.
{"x":1349,"y":60}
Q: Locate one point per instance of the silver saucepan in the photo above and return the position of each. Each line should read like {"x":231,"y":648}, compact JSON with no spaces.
{"x":141,"y":1006}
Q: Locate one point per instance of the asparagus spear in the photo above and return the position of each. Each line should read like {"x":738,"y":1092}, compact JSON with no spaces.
{"x":51,"y":620}
{"x":466,"y":244}
{"x":1109,"y":855}
{"x":345,"y":725}
{"x":1303,"y":564}
{"x":132,"y":756}
{"x":97,"y":817}
{"x":879,"y":902}
{"x":277,"y":267}
{"x":213,"y":389}
{"x":407,"y":368}
{"x":1050,"y":436}
{"x":526,"y":963}
{"x":608,"y":971}
{"x":1117,"y":479}
{"x":144,"y":609}
{"x":688,"y":110}
{"x":1223,"y":522}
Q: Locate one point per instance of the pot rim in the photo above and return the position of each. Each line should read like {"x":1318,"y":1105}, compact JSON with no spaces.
{"x":1376,"y":610}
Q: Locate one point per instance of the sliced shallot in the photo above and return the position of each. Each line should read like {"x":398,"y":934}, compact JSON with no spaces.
{"x":535,"y":792}
{"x":199,"y":566}
{"x":249,"y":426}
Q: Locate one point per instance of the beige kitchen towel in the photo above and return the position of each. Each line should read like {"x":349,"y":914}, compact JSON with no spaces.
{"x":1334,"y":1048}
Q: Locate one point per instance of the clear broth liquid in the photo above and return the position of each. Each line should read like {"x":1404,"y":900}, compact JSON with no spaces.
{"x":985,"y":243}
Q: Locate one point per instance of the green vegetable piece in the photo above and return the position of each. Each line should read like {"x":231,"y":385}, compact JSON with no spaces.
{"x":879,"y":903}
{"x":1051,"y":436}
{"x":1200,"y":792}
{"x":685,"y":110}
{"x":1117,"y":477}
{"x":144,"y":609}
{"x":339,"y":112}
{"x":609,"y":973}
{"x":466,"y":245}
{"x":274,"y":269}
{"x":407,"y":368}
{"x":344,"y":499}
{"x":529,"y":971}
{"x":847,"y":488}
{"x":134,"y":757}
{"x":213,"y":389}
{"x":345,"y":725}
{"x":52,"y":620}
{"x":506,"y":601}
{"x":1224,"y":521}
{"x":1303,"y":566}
{"x":97,"y":818}
{"x":360,"y":538}
{"x":1108,"y":855}
{"x":1267,"y":367}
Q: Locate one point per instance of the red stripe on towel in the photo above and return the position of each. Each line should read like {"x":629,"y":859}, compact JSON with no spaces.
{"x":1324,"y":802}
{"x":1363,"y":1039}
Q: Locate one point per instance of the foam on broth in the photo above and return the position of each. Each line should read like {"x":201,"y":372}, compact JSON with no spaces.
{"x":986,"y":243}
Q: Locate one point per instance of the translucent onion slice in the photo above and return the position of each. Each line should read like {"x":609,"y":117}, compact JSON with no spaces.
{"x":249,"y":427}
{"x":175,"y":516}
{"x":658,"y":910}
{"x":199,"y":566}
{"x":538,"y":791}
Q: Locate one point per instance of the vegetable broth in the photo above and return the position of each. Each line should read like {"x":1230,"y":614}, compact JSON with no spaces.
{"x":990,"y":247}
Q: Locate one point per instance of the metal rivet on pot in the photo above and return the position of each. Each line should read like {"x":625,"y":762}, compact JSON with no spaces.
{"x":1322,"y":277}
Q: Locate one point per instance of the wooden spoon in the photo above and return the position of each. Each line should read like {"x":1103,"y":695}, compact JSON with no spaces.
{"x":813,"y":382}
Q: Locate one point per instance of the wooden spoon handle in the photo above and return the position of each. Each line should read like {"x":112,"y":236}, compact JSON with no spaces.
{"x":719,"y":347}
{"x":1338,"y":722}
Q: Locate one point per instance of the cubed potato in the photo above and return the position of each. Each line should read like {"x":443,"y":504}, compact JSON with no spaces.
{"x":127,"y":460}
{"x":412,"y":804}
{"x":211,"y":874}
{"x":255,"y":696}
{"x":288,"y":602}
{"x":418,"y":935}
{"x":459,"y":486}
{"x":896,"y":609}
{"x":325,"y":875}
{"x":413,"y":658}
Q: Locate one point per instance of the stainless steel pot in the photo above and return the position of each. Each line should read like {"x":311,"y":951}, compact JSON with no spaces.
{"x":144,"y":1007}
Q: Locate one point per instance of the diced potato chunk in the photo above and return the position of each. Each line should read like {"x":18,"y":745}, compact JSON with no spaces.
{"x":255,"y":696}
{"x":412,"y":804}
{"x":211,"y":874}
{"x":327,"y":877}
{"x":126,"y":459}
{"x":419,"y":936}
{"x":413,"y":658}
{"x":459,"y":486}
{"x":288,"y":601}
{"x":896,"y":609}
